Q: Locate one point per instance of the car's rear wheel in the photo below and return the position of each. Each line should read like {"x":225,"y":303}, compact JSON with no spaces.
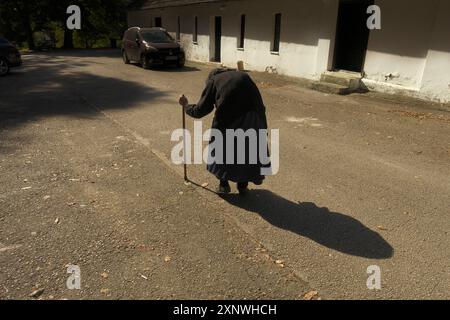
{"x":125,"y":57}
{"x":144,"y":62}
{"x":4,"y":67}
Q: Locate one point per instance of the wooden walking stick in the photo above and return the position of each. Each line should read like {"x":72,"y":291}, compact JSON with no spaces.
{"x":184,"y":145}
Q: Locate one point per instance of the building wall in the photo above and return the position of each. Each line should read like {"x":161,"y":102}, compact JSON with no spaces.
{"x":300,"y":35}
{"x":436,"y":76}
{"x":401,"y":55}
{"x":410,"y":54}
{"x":307,"y":33}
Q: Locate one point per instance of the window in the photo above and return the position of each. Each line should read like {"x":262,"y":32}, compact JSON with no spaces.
{"x":156,"y":36}
{"x":242,"y":35}
{"x":277,"y":34}
{"x":158,"y":22}
{"x":132,"y":35}
{"x":195,"y":35}
{"x":179,"y":28}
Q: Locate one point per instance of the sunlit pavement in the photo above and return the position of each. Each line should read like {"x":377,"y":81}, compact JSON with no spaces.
{"x":87,"y":180}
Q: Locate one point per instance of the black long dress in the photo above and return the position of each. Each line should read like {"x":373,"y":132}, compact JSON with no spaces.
{"x":239,"y":105}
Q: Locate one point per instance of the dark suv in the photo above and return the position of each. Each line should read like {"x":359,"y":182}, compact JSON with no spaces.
{"x":151,"y":46}
{"x":9,"y":56}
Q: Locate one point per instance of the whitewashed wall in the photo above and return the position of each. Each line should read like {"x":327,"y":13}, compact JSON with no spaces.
{"x":411,"y":53}
{"x":412,"y":50}
{"x":436,"y":77}
{"x":301,"y":29}
{"x":307,"y":33}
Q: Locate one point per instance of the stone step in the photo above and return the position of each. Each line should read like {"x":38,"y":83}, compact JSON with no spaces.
{"x":346,"y":79}
{"x":330,"y":88}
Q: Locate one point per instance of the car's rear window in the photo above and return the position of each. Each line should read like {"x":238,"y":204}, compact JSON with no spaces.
{"x":131,"y":35}
{"x":156,"y":36}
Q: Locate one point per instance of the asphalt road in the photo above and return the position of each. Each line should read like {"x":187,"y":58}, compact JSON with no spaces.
{"x":85,"y":141}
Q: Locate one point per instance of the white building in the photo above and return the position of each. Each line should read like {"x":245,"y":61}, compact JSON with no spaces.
{"x":315,"y":38}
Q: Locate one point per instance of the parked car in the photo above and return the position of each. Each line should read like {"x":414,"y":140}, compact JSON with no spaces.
{"x":151,"y":46}
{"x":9,"y":56}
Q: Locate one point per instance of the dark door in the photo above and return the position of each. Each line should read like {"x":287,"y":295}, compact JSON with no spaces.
{"x":218,"y":39}
{"x":158,"y":22}
{"x":352,"y":35}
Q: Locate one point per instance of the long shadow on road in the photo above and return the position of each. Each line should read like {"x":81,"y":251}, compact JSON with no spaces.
{"x":330,"y":229}
{"x":50,"y":85}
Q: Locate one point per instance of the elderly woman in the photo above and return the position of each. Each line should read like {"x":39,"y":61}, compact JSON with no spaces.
{"x":238,"y":105}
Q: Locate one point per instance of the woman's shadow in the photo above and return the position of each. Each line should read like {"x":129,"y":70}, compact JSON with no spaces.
{"x":331,"y":229}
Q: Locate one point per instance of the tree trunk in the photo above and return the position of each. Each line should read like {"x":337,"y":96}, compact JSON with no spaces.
{"x":68,"y":39}
{"x":30,"y":40}
{"x":29,"y":32}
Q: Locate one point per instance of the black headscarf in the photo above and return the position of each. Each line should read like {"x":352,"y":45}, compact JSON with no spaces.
{"x":218,"y":71}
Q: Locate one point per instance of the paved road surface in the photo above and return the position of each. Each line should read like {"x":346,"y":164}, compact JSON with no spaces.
{"x":85,"y":141}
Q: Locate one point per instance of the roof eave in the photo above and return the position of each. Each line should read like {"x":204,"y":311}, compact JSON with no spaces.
{"x":175,"y":3}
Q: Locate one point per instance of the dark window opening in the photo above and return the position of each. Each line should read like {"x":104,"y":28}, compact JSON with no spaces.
{"x":179,"y":29}
{"x":158,"y":22}
{"x":242,"y":36}
{"x":277,"y":34}
{"x":218,"y":39}
{"x":195,"y":35}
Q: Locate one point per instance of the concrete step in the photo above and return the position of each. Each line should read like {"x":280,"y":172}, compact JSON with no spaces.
{"x":348,"y":79}
{"x":330,"y":88}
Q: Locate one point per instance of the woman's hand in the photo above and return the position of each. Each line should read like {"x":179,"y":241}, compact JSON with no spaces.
{"x":183,"y":101}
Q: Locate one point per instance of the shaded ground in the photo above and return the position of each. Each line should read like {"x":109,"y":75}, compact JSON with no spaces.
{"x":363,"y":180}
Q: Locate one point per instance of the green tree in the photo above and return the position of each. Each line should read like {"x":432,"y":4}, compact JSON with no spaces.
{"x":100,"y":19}
{"x":17,"y":18}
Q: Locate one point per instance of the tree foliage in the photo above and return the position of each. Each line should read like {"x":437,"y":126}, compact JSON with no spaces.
{"x":100,"y":19}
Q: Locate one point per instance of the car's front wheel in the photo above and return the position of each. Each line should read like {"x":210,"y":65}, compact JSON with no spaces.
{"x":4,"y":67}
{"x":125,"y":57}
{"x":180,"y":64}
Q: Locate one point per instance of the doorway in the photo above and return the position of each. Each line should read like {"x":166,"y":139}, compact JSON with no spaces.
{"x":217,"y":39}
{"x":158,"y":22}
{"x":352,"y":35}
